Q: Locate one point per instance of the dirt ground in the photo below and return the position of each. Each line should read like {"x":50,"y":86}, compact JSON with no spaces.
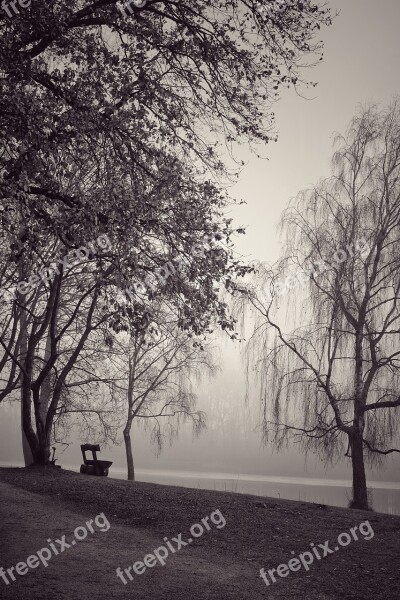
{"x":39,"y":506}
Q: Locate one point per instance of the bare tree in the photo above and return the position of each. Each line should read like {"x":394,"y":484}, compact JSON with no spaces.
{"x":158,"y":363}
{"x":334,"y":380}
{"x":45,"y":333}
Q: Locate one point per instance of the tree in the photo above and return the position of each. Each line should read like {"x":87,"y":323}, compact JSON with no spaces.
{"x":50,"y":334}
{"x":49,"y":328}
{"x":157,"y":364}
{"x":111,"y":125}
{"x":333,"y":382}
{"x":99,"y":108}
{"x":83,"y":87}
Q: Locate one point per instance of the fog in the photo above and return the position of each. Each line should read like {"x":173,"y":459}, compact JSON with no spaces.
{"x":231,"y":444}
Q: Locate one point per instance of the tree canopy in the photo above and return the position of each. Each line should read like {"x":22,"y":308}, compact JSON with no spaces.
{"x":116,"y":124}
{"x":112,"y":123}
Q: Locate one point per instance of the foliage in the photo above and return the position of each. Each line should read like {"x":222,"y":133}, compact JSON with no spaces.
{"x":111,"y":123}
{"x":114,"y":124}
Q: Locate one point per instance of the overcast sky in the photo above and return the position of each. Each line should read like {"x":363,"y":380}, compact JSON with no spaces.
{"x":361,"y":64}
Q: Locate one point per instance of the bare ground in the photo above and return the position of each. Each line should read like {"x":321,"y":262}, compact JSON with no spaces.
{"x":43,"y":504}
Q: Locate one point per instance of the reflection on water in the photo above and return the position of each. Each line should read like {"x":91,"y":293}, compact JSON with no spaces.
{"x":385,"y":496}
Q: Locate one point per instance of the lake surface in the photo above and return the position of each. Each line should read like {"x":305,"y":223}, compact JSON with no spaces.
{"x":385,"y":495}
{"x":336,"y":492}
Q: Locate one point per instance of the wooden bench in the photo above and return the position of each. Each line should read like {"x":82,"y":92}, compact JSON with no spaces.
{"x":94,"y":466}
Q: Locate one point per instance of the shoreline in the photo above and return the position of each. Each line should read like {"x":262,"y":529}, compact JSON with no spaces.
{"x":181,"y":474}
{"x":384,"y":496}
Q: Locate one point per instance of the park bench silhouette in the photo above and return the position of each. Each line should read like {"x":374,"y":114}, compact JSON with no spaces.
{"x":94,"y":466}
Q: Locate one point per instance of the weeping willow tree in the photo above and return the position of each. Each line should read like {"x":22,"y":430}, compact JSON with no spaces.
{"x":329,"y":366}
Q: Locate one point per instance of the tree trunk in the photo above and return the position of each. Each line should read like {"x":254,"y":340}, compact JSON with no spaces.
{"x":129,"y":419}
{"x":39,"y":442}
{"x":26,"y":441}
{"x":26,"y":401}
{"x":41,"y":399}
{"x":129,"y":456}
{"x":360,"y":495}
{"x":42,"y":455}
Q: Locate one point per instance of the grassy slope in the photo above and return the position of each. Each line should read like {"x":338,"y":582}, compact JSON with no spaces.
{"x":224,"y":563}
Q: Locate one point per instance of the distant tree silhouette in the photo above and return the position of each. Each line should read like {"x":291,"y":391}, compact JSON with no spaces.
{"x":154,"y":373}
{"x":334,"y":381}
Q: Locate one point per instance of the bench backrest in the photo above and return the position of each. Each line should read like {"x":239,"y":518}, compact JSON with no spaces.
{"x":93,"y":448}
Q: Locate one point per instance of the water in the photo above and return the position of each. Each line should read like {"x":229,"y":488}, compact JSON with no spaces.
{"x":385,"y":496}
